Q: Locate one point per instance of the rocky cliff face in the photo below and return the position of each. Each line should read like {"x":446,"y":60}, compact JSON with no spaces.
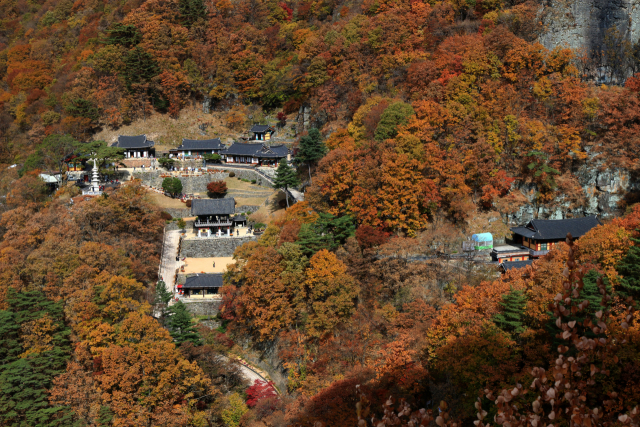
{"x":582,"y":24}
{"x":603,"y":189}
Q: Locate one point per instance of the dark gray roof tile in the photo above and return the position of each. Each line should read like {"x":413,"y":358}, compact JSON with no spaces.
{"x":239,"y":149}
{"x":202,"y":281}
{"x":261,"y":128}
{"x":213,"y":206}
{"x":138,"y":141}
{"x":202,"y":144}
{"x":510,"y":265}
{"x":550,"y":229}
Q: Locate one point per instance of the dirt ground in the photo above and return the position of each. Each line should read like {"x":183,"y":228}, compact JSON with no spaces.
{"x":168,"y":132}
{"x":272,"y":211}
{"x":164,"y":201}
{"x":205,"y":265}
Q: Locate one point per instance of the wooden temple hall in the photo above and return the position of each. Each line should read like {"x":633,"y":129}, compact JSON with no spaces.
{"x":215,"y":217}
{"x":539,"y":236}
{"x":201,"y":286}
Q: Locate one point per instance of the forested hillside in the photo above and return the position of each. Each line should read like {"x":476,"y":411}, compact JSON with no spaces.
{"x":356,"y":323}
{"x":469,"y":100}
{"x":428,"y":121}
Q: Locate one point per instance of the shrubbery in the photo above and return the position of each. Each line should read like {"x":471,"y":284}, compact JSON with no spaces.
{"x":217,"y":189}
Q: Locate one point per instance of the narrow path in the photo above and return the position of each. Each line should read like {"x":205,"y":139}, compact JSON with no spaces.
{"x":253,"y":373}
{"x":169,"y":254}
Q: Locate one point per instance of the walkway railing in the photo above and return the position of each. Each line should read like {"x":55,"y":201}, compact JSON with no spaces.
{"x":213,"y":224}
{"x":164,"y":231}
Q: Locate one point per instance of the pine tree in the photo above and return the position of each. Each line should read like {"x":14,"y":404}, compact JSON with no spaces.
{"x":590,"y":293}
{"x":162,"y":297}
{"x":125,"y":35}
{"x":140,"y":68}
{"x":510,"y":319}
{"x":191,"y":11}
{"x":328,"y":232}
{"x":180,"y":326}
{"x":629,"y":269}
{"x":172,"y":185}
{"x":311,"y":150}
{"x":285,"y":177}
{"x":27,"y":372}
{"x":105,"y":416}
{"x":311,"y":239}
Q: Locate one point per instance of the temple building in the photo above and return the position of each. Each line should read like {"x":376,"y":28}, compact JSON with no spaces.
{"x":513,"y":265}
{"x":194,"y":147}
{"x":256,"y":154}
{"x":136,"y":146}
{"x":509,"y":253}
{"x":261,"y":132}
{"x":213,"y":216}
{"x":539,"y":236}
{"x":202,"y":286}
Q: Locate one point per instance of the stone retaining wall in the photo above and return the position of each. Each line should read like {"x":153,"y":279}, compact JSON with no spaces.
{"x":206,"y":248}
{"x":198,"y":184}
{"x":171,"y":226}
{"x":178,"y":213}
{"x":138,"y":162}
{"x":246,"y":208}
{"x":204,"y":307}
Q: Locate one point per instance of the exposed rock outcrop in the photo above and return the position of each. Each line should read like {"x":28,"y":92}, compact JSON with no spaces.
{"x":582,"y":24}
{"x":604,"y":189}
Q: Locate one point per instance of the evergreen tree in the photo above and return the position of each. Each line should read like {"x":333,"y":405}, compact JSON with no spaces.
{"x":125,"y":35}
{"x":80,"y":107}
{"x":341,"y":228}
{"x":105,"y":416}
{"x":328,"y":232}
{"x":311,"y":239}
{"x":589,"y":293}
{"x":510,"y":319}
{"x":191,"y":11}
{"x":285,"y":177}
{"x":172,"y":185}
{"x":166,"y":162}
{"x":140,"y":68}
{"x":629,"y":269}
{"x":162,"y":298}
{"x":102,"y":151}
{"x":311,"y":150}
{"x":180,"y":326}
{"x":27,"y":368}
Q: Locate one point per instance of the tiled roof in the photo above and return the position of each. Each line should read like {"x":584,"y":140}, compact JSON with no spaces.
{"x":280,"y":150}
{"x":239,"y":149}
{"x":138,"y":141}
{"x":261,"y":128}
{"x":239,"y":218}
{"x":550,"y":229}
{"x":257,"y":150}
{"x":510,"y":265}
{"x":267,"y":152}
{"x":213,"y":206}
{"x":201,"y":281}
{"x":203,"y":144}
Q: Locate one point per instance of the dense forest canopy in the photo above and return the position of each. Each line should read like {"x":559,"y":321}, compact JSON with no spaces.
{"x":458,"y":96}
{"x":428,"y":121}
